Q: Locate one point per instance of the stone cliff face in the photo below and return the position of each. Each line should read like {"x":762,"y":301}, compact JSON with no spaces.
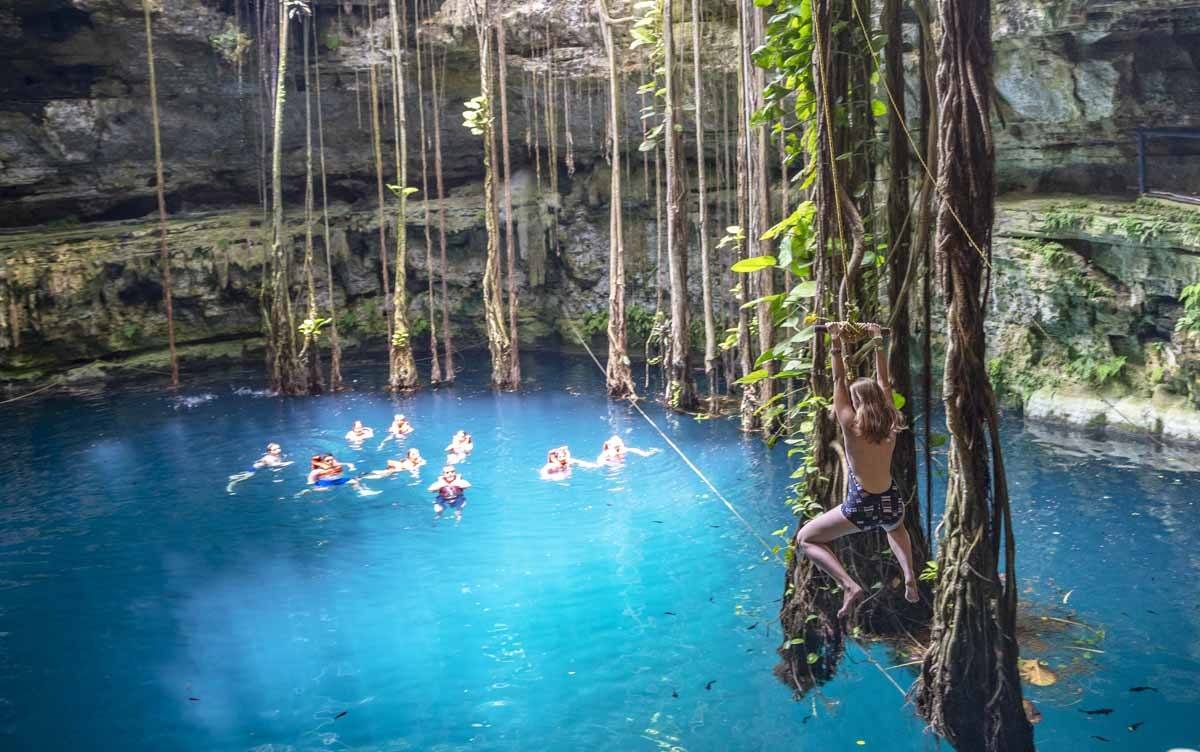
{"x":79,"y":277}
{"x":1075,"y":78}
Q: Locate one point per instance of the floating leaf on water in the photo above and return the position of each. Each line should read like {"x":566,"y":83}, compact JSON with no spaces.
{"x":1036,"y":672}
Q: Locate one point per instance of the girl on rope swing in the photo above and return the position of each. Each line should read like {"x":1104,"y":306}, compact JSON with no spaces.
{"x":869,"y":423}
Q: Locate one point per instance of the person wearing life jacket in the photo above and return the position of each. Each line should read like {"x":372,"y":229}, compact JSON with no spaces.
{"x":450,"y":488}
{"x":559,"y":462}
{"x":615,"y":450}
{"x":326,"y":471}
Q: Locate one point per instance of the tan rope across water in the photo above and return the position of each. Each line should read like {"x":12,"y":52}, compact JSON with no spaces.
{"x":765,"y":543}
{"x":699,"y":474}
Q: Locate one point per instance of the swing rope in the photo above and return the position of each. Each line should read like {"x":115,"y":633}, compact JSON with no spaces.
{"x":733,"y":510}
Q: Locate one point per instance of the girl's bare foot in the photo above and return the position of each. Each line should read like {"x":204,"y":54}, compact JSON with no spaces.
{"x":911,"y":594}
{"x":853,"y":595}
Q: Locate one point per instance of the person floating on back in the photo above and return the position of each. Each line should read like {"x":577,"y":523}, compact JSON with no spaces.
{"x":559,"y":462}
{"x":615,"y":450}
{"x":450,"y":488}
{"x":869,"y":422}
{"x":459,"y":447}
{"x":411,"y":463}
{"x":359,"y":433}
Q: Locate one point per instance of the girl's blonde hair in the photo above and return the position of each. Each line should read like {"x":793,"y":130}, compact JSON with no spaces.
{"x":874,"y":418}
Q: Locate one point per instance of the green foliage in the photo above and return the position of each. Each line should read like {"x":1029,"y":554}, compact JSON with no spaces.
{"x":787,"y":54}
{"x":398,"y":193}
{"x":592,"y":325}
{"x":639,"y":323}
{"x":1141,"y":229}
{"x":1096,"y":370}
{"x":63,"y":223}
{"x":1073,"y":279}
{"x":418,"y":327}
{"x":1063,"y":218}
{"x":476,"y":115}
{"x":311,"y":327}
{"x":1189,"y":322}
{"x":231,"y":43}
{"x":131,"y":332}
{"x":332,"y":42}
{"x":930,"y":572}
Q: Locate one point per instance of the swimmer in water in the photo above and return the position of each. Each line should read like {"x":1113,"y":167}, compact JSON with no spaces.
{"x":459,"y":448}
{"x":411,"y":463}
{"x":398,"y":430}
{"x":559,"y":462}
{"x":273,"y":459}
{"x":615,"y":450}
{"x":326,"y":472}
{"x":451,"y":489}
{"x":359,"y":433}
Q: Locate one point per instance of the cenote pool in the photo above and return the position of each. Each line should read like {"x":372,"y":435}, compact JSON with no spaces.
{"x":142,"y":607}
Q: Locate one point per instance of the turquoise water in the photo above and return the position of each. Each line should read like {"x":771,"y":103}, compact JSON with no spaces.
{"x":142,"y":607}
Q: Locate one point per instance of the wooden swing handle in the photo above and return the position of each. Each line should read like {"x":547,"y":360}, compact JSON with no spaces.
{"x":825,"y":328}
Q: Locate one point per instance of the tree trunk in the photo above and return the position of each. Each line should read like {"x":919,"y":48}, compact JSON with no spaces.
{"x":285,"y":373}
{"x":904,"y":458}
{"x":335,"y":345}
{"x":159,"y":190}
{"x":377,"y":145}
{"x":924,"y":239}
{"x":748,"y":406}
{"x":498,"y":342}
{"x":838,"y":229}
{"x":309,"y":354}
{"x":761,"y":283}
{"x":438,"y":91}
{"x":970,"y":691}
{"x":435,"y":367}
{"x":510,"y":243}
{"x":680,"y":391}
{"x":402,"y":369}
{"x":618,"y":375}
{"x":710,"y":326}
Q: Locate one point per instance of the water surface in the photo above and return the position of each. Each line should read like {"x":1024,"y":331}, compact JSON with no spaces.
{"x":142,"y":607}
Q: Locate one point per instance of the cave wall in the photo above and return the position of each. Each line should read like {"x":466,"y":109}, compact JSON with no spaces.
{"x":78,"y":273}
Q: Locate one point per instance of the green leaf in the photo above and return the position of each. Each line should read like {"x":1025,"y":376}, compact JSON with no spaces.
{"x":878,"y":108}
{"x":813,"y":658}
{"x":938,"y":439}
{"x":754,"y":264}
{"x":899,"y":400}
{"x":753,"y":377}
{"x":806,"y":289}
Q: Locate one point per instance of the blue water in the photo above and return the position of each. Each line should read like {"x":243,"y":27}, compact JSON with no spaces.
{"x":142,"y":607}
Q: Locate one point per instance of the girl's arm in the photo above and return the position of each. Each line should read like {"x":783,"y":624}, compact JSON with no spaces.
{"x":842,"y":406}
{"x":882,"y":377}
